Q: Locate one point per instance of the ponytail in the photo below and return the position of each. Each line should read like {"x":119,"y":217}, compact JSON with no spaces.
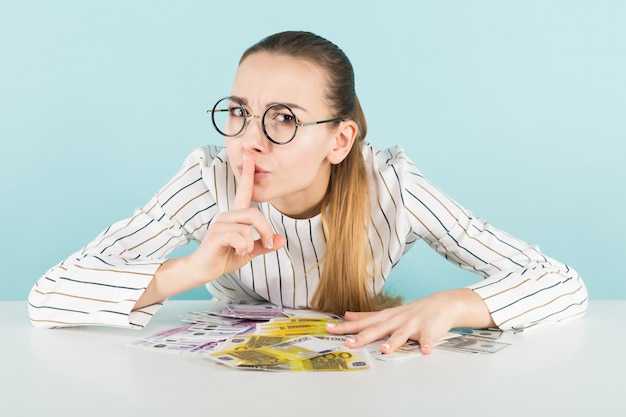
{"x":346,"y":282}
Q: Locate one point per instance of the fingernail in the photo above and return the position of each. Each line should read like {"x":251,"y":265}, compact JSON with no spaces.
{"x":386,"y":346}
{"x":350,"y":340}
{"x":270,"y":244}
{"x":428,"y":347}
{"x":331,"y":324}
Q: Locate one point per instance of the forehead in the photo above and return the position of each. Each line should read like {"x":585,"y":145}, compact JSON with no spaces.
{"x":264,"y":78}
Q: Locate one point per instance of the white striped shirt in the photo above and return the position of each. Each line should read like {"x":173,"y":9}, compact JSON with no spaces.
{"x":101,"y":283}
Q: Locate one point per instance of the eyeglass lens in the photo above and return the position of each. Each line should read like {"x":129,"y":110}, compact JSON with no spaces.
{"x":230,"y":117}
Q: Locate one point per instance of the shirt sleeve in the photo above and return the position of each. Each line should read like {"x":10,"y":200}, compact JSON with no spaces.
{"x":522,"y":287}
{"x":100,"y":284}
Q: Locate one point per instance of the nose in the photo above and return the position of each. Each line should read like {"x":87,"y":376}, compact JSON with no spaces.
{"x":253,"y":138}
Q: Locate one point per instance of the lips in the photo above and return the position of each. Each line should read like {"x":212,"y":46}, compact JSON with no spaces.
{"x":259,"y":172}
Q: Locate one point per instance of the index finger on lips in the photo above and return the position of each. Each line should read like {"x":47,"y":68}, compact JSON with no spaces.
{"x":243,"y":197}
{"x":246,"y":183}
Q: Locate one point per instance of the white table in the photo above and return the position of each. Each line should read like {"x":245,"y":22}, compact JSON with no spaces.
{"x":573,"y":369}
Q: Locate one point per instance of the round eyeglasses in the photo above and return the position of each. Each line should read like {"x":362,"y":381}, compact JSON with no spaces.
{"x":280,"y":124}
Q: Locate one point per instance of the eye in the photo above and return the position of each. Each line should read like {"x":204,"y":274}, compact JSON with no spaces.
{"x":236,"y":111}
{"x":284,"y":117}
{"x":281,"y":114}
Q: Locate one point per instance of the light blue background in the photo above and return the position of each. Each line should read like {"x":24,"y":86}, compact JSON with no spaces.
{"x":515,"y":109}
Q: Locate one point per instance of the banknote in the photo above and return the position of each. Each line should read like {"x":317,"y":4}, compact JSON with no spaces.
{"x":289,"y":312}
{"x":304,"y":320}
{"x":260,"y":311}
{"x":251,"y":341}
{"x":337,"y":339}
{"x":296,"y":326}
{"x":209,"y":333}
{"x":343,"y":360}
{"x":227,"y":312}
{"x":190,"y":338}
{"x":209,"y":317}
{"x":173,"y":346}
{"x":490,"y":334}
{"x":410,"y":349}
{"x":299,"y":348}
{"x":471,"y":344}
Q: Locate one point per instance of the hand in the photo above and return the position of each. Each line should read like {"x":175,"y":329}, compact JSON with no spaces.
{"x":229,"y":243}
{"x":425,"y":320}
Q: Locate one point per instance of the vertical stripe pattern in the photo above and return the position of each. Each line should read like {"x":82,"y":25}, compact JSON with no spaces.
{"x":100,"y":283}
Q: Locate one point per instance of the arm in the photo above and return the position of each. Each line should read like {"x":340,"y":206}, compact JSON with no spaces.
{"x":522,"y":287}
{"x":425,"y":320}
{"x":101,"y":283}
{"x":228,"y":245}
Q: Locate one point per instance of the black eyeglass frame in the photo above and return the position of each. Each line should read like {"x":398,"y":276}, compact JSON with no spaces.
{"x":250,"y":115}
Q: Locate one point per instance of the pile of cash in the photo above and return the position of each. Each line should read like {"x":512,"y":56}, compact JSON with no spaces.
{"x":295,"y":344}
{"x":283,"y":353}
{"x":271,"y":338}
{"x":202,"y":333}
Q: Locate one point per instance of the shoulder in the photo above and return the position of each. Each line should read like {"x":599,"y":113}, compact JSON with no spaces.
{"x":196,"y":171}
{"x":206,"y":164}
{"x":206,"y":156}
{"x":389,"y":160}
{"x":212,"y":170}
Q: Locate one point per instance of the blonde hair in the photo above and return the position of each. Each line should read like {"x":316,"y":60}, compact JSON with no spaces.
{"x":345,"y":283}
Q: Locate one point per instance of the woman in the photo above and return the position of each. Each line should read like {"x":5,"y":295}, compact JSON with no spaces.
{"x":300,"y":211}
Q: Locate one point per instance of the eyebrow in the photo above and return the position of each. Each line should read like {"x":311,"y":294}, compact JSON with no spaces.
{"x":292,"y":106}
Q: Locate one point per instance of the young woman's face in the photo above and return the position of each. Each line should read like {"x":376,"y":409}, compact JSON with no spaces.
{"x":293,"y":177}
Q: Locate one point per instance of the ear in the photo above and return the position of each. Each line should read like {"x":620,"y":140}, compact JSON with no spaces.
{"x":342,"y":142}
